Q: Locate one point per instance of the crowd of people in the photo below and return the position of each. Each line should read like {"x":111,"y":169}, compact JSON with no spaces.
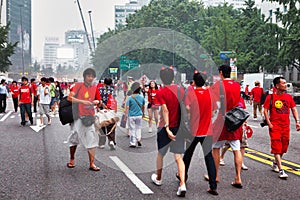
{"x":164,"y":115}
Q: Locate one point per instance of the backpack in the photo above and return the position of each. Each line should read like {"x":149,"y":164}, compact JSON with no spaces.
{"x":68,"y":111}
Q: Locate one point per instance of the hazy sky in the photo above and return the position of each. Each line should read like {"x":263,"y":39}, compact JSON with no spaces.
{"x":55,"y":17}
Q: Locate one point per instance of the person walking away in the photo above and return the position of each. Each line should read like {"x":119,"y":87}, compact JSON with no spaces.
{"x":25,"y":101}
{"x":255,"y":97}
{"x":44,"y":100}
{"x":14,"y":89}
{"x":231,"y":91}
{"x":199,"y":107}
{"x":135,"y":107}
{"x":3,"y":96}
{"x":152,"y":104}
{"x":247,"y":94}
{"x":278,"y":120}
{"x":244,"y":140}
{"x":34,"y":92}
{"x":167,"y":133}
{"x":87,"y":97}
{"x":106,"y":93}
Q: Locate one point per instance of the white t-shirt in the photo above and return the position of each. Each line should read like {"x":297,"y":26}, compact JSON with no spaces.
{"x":44,"y":93}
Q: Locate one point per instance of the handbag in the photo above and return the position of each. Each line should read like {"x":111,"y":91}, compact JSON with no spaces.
{"x":235,"y":117}
{"x":87,"y":120}
{"x":123,"y":121}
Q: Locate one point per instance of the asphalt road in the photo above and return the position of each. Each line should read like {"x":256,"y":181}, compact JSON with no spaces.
{"x":33,"y":166}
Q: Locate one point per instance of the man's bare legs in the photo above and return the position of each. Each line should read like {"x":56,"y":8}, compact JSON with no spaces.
{"x":72,"y":156}
{"x":91,"y":153}
{"x":216,"y":156}
{"x":181,"y":168}
{"x":278,"y":160}
{"x":159,"y":165}
{"x":238,"y":160}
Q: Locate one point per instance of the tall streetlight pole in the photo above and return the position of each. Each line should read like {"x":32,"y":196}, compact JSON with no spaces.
{"x":92,"y":31}
{"x":1,"y":5}
{"x":22,"y":39}
{"x":87,"y":35}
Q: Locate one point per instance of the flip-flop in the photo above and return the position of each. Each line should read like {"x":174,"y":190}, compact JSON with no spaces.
{"x":69,"y":165}
{"x":95,"y":169}
{"x":237,"y":185}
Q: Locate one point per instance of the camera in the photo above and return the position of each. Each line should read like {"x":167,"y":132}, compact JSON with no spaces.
{"x":264,"y":123}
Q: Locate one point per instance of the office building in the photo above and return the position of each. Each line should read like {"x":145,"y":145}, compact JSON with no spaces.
{"x":50,"y":51}
{"x":18,"y":13}
{"x":123,"y":11}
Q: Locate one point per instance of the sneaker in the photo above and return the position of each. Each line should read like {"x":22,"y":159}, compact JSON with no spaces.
{"x":222,"y":162}
{"x":282,"y":174}
{"x":41,"y":125}
{"x":150,"y":130}
{"x":244,"y":167}
{"x":181,"y":191}
{"x":155,"y":181}
{"x":275,"y":167}
{"x":139,"y":144}
{"x":112,"y":145}
{"x":101,"y":146}
{"x":49,"y":122}
{"x":31,"y":121}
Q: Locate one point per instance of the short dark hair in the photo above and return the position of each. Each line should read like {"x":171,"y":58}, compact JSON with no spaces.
{"x":14,"y":82}
{"x":51,"y":79}
{"x":89,"y":71}
{"x":135,"y":87}
{"x":226,"y":70}
{"x":2,"y":81}
{"x":31,"y":80}
{"x":108,"y":81}
{"x":277,"y":80}
{"x":44,"y":79}
{"x":199,"y":79}
{"x":166,"y":76}
{"x":24,"y":78}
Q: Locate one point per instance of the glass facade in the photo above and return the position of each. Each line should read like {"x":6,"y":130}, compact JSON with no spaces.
{"x":18,"y":14}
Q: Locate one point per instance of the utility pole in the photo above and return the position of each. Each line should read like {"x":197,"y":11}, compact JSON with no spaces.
{"x":87,"y":35}
{"x":22,"y":41}
{"x":92,"y":31}
{"x":1,"y":5}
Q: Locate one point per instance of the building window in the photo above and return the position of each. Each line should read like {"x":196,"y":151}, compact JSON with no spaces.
{"x":285,"y":9}
{"x":290,"y":76}
{"x":298,"y":77}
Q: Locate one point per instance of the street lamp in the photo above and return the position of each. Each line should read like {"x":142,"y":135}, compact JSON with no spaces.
{"x":93,"y":38}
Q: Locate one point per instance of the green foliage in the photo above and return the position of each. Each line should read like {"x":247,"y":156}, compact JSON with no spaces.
{"x":6,"y":49}
{"x":245,"y":32}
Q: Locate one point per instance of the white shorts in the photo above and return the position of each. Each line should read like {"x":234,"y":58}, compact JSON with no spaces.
{"x":234,"y":144}
{"x":80,"y":134}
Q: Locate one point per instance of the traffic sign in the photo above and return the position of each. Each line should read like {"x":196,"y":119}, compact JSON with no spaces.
{"x":128,"y":64}
{"x":226,"y":55}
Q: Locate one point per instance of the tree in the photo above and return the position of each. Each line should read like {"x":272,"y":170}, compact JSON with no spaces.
{"x":6,"y":49}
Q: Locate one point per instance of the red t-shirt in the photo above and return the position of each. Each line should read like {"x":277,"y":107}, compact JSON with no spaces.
{"x":257,"y":93}
{"x":168,"y":95}
{"x":280,"y":111}
{"x":15,"y":91}
{"x":25,"y":94}
{"x":90,"y":93}
{"x":34,"y":89}
{"x":232,"y":98}
{"x":152,"y":96}
{"x":201,"y":107}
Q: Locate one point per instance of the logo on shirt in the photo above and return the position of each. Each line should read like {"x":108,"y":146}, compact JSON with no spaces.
{"x":278,"y":104}
{"x":86,"y":95}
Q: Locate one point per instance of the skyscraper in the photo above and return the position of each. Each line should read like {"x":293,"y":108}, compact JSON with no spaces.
{"x":18,"y":14}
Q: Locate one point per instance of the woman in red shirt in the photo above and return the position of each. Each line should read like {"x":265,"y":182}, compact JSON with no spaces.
{"x":152,"y":107}
{"x":14,"y":89}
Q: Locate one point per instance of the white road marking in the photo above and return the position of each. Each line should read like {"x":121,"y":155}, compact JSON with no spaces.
{"x":132,"y":177}
{"x":5,"y":116}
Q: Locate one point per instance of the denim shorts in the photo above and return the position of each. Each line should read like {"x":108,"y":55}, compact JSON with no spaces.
{"x":164,"y":142}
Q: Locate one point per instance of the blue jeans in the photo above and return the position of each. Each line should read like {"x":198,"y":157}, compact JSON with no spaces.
{"x":206,"y":143}
{"x":25,"y":107}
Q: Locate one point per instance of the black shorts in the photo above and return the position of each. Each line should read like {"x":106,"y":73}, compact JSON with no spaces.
{"x":164,"y":142}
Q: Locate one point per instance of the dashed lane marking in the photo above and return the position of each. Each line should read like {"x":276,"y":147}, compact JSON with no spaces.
{"x":132,"y":177}
{"x":5,"y":116}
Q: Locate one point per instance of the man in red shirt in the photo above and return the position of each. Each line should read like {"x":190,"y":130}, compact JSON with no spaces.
{"x":199,"y":108}
{"x":231,"y":91}
{"x":14,"y":89}
{"x":87,"y":96}
{"x":34,"y":92}
{"x":167,"y":133}
{"x":256,"y":94}
{"x":279,"y":122}
{"x":25,"y":101}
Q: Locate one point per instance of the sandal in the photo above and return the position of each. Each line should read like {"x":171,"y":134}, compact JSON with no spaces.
{"x":69,"y":165}
{"x":95,"y":168}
